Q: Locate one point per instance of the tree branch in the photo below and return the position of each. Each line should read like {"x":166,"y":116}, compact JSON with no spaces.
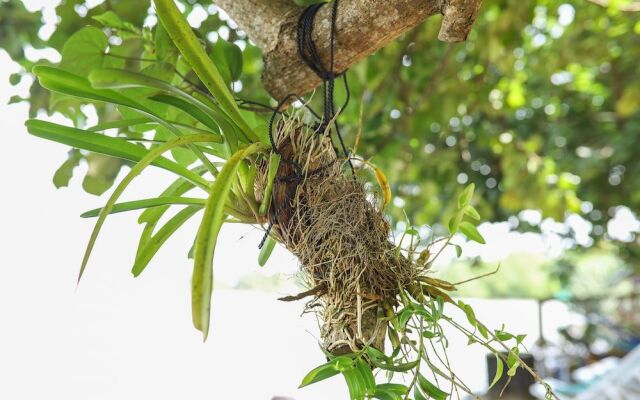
{"x":363,"y":27}
{"x":316,"y":291}
{"x":260,"y":19}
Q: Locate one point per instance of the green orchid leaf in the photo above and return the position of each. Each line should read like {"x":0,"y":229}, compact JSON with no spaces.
{"x":471,"y":232}
{"x":355,"y":384}
{"x":151,"y":216}
{"x":121,"y":123}
{"x":200,"y":109}
{"x":382,"y":394}
{"x":202,"y":280}
{"x":73,"y":85}
{"x":189,"y":109}
{"x":471,"y":212}
{"x":394,"y":388}
{"x":266,"y":250}
{"x":146,"y":203}
{"x":366,"y":375}
{"x":58,"y":80}
{"x":320,"y":373}
{"x":191,"y":49}
{"x":499,"y":371}
{"x":454,"y":222}
{"x":430,"y":389}
{"x":154,"y":244}
{"x":274,"y":162}
{"x":465,"y":198}
{"x":147,"y":160}
{"x":107,"y":145}
{"x":418,"y":394}
{"x":396,"y":367}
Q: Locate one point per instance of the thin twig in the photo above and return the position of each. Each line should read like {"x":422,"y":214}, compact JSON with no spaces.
{"x":478,"y":277}
{"x":316,"y":291}
{"x":478,"y":340}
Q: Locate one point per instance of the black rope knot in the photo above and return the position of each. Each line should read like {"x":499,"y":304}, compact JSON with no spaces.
{"x":306,"y":46}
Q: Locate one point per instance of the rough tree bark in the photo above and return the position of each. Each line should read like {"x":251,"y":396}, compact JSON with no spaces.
{"x":363,"y":27}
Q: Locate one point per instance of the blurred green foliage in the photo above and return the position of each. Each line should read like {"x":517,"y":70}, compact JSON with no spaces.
{"x":593,"y":274}
{"x":540,"y":108}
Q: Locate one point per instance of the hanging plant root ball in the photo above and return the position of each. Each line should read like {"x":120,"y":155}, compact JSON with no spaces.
{"x":325,"y":217}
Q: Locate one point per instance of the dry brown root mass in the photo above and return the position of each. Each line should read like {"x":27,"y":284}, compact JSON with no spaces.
{"x":339,"y":234}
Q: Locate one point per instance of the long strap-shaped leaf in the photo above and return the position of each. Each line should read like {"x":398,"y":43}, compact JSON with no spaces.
{"x":58,"y":80}
{"x":115,"y":147}
{"x":202,"y":279}
{"x":156,"y":241}
{"x":209,"y":113}
{"x":226,"y":125}
{"x":111,"y":78}
{"x":126,"y":123}
{"x":121,"y":123}
{"x":73,"y":85}
{"x":146,"y":203}
{"x":135,"y":171}
{"x":205,"y":111}
{"x":151,"y":216}
{"x":186,"y":41}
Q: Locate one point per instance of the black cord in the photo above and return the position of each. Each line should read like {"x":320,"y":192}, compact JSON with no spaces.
{"x":308,"y":52}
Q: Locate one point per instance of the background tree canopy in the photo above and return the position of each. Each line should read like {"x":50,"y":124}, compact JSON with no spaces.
{"x":540,"y":108}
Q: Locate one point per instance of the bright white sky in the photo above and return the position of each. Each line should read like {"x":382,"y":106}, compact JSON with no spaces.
{"x":116,"y":337}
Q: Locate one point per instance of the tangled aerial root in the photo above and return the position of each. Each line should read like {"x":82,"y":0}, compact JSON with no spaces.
{"x":328,"y":220}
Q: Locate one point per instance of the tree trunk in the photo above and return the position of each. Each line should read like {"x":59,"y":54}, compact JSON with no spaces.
{"x":363,"y":27}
